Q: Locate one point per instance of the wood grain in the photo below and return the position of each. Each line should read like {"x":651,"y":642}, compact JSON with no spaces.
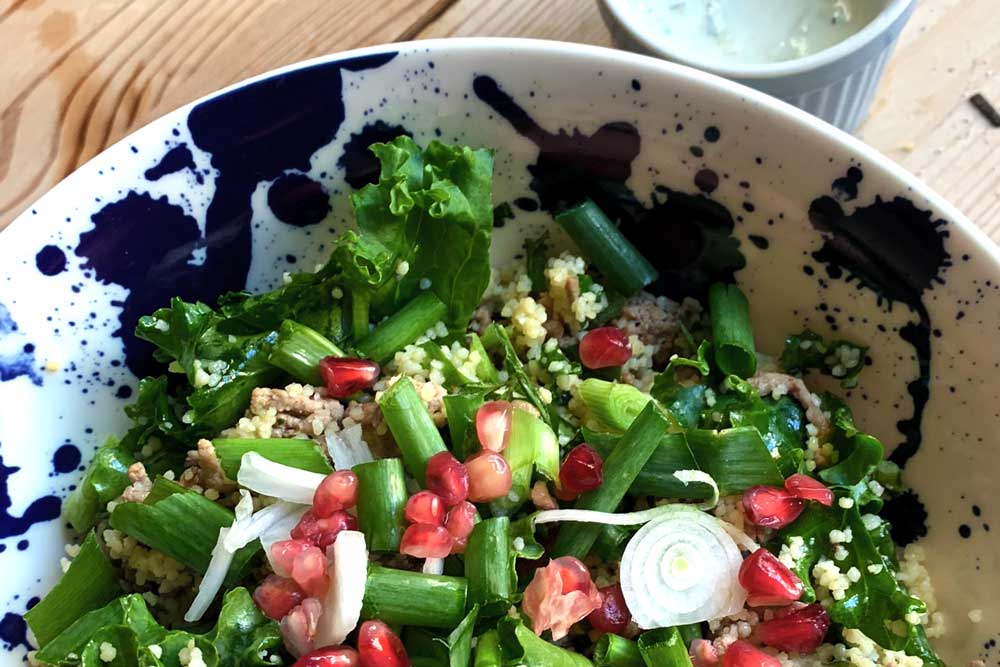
{"x":78,"y":76}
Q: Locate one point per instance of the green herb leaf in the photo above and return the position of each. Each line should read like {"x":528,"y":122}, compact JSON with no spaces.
{"x":808,"y":351}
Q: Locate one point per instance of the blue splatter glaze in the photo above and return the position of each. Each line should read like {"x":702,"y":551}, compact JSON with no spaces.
{"x":176,"y":159}
{"x":50,"y":260}
{"x":41,"y":510}
{"x":249,"y":135}
{"x":17,"y":364}
{"x":66,"y":459}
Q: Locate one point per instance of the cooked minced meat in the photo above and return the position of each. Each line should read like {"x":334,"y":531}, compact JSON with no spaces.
{"x":204,"y":472}
{"x":658,"y":321}
{"x":298,"y":409}
{"x":141,"y":484}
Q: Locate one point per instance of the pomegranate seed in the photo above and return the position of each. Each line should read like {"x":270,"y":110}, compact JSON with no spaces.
{"x":283,"y":554}
{"x":582,"y":471}
{"x":337,"y":492}
{"x":489,"y":476}
{"x":768,"y":581}
{"x":744,"y":654}
{"x":613,"y":615}
{"x":801,"y":631}
{"x":331,"y":656}
{"x":770,"y":507}
{"x":493,"y":420}
{"x":298,"y":628}
{"x":378,"y":646}
{"x":605,"y":347}
{"x":425,"y":507}
{"x":448,"y":478}
{"x":807,"y":488}
{"x":423,"y":540}
{"x":461,"y":519}
{"x":322,"y":531}
{"x":559,"y":595}
{"x":703,"y":653}
{"x":345,"y":377}
{"x":276,"y":596}
{"x":541,"y":497}
{"x":309,"y":571}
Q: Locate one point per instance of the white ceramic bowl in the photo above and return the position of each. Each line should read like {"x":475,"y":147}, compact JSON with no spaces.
{"x":836,"y":84}
{"x":818,"y":228}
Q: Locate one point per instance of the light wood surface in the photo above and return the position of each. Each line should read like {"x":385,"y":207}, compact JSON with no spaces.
{"x":77,"y":75}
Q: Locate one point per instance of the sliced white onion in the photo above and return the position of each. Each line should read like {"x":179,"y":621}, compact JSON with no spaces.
{"x":689,"y":476}
{"x":279,"y":531}
{"x":348,"y":570}
{"x":242,"y":533}
{"x":742,"y":540}
{"x":681,"y":568}
{"x":222,"y":558}
{"x":593,"y":516}
{"x":277,"y":480}
{"x":433,"y":566}
{"x":347,"y":449}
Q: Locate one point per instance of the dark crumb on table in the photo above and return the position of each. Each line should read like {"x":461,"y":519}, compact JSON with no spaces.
{"x":989,"y":112}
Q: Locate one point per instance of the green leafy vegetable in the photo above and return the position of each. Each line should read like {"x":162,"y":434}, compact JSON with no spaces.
{"x":298,"y":351}
{"x":520,"y":646}
{"x":242,"y":637}
{"x":104,"y":481}
{"x":433,"y":210}
{"x":536,"y":256}
{"x":612,"y":406}
{"x":841,"y":359}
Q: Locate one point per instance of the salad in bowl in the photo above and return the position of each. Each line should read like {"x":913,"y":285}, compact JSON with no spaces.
{"x":405,"y":457}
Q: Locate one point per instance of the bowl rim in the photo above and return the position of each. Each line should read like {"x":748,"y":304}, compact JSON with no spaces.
{"x":645,"y":65}
{"x":889,"y":14}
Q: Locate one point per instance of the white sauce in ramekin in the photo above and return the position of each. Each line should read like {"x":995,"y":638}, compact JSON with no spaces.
{"x":747,"y":32}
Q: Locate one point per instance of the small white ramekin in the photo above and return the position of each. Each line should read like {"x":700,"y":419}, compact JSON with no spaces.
{"x":836,"y":84}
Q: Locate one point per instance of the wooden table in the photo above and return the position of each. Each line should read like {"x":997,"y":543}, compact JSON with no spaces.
{"x":77,"y":75}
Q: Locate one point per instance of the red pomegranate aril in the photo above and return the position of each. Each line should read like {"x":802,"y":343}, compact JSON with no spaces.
{"x":582,"y":471}
{"x":771,"y":507}
{"x":493,"y":420}
{"x":703,"y":653}
{"x":422,"y":540}
{"x":378,"y":646}
{"x":768,"y":581}
{"x":425,"y":507}
{"x":744,"y":654}
{"x":276,"y":596}
{"x":605,"y":347}
{"x":309,"y":572}
{"x":331,"y":656}
{"x":448,"y":478}
{"x":801,"y":631}
{"x":460,"y":522}
{"x":613,"y":615}
{"x":345,"y":377}
{"x":337,"y":492}
{"x":807,"y":488}
{"x":283,"y":554}
{"x":489,"y":476}
{"x":322,"y":531}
